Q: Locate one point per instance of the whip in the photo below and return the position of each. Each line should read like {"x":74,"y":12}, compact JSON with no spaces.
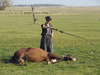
{"x":75,"y":36}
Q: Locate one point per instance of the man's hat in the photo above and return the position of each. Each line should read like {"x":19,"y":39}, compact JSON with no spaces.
{"x":48,"y":18}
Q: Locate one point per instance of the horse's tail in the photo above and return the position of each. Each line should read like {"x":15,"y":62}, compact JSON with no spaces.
{"x":13,"y":59}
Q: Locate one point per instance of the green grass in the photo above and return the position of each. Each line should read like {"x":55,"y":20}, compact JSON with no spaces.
{"x":18,"y":32}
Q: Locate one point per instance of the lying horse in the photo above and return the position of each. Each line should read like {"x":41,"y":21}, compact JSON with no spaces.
{"x":36,"y":55}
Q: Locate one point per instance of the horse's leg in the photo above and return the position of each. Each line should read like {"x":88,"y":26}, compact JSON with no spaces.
{"x":48,"y":60}
{"x":22,"y":60}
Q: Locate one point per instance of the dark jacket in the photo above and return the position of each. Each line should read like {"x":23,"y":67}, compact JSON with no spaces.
{"x":45,"y":30}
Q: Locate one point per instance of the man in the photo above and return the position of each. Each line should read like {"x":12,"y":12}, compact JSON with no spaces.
{"x":47,"y":34}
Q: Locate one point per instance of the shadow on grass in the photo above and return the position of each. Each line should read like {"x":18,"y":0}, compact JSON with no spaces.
{"x":5,"y":59}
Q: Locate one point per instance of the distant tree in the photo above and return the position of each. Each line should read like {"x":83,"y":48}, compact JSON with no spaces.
{"x":5,"y":3}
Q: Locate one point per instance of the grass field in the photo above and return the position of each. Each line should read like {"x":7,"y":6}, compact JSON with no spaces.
{"x":18,"y":31}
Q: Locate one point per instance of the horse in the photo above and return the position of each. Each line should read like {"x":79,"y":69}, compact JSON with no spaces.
{"x":37,"y":55}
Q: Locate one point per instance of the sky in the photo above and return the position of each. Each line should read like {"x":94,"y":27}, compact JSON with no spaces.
{"x":63,"y":2}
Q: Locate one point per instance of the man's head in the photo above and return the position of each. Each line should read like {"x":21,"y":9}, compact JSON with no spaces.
{"x":48,"y":18}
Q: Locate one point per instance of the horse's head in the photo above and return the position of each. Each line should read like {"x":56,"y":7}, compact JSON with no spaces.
{"x":68,"y":57}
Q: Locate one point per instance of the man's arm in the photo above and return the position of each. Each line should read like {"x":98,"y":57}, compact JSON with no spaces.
{"x":47,"y":26}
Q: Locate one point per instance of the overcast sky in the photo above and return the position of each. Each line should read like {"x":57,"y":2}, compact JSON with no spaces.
{"x":64,"y":2}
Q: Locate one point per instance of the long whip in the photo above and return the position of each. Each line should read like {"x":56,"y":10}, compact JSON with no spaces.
{"x":75,"y":36}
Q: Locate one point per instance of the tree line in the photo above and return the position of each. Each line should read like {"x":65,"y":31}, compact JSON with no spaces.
{"x":38,"y":5}
{"x":5,"y":3}
{"x":8,"y":3}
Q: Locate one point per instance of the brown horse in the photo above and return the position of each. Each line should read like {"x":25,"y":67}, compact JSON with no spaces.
{"x":36,"y":55}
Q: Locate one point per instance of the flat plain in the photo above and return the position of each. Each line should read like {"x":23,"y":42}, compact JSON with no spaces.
{"x":18,"y":31}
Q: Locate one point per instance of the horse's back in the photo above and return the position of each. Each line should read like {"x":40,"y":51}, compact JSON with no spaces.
{"x":37,"y":55}
{"x":37,"y":51}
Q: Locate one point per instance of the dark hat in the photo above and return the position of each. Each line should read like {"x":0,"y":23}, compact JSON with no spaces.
{"x":48,"y":18}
